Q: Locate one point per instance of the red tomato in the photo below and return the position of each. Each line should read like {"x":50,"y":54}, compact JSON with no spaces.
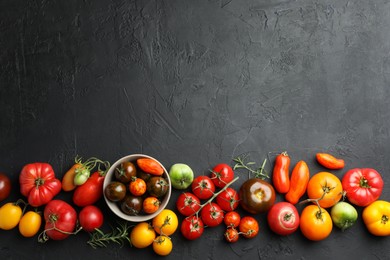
{"x":203,"y":187}
{"x":150,"y":166}
{"x":187,"y":204}
{"x":231,"y":235}
{"x":362,"y":186}
{"x":38,"y":183}
{"x":211,"y":214}
{"x":280,"y":174}
{"x":228,"y":199}
{"x":222,"y":174}
{"x":90,"y":192}
{"x":5,"y":186}
{"x":137,"y":187}
{"x":60,"y":217}
{"x":249,"y":227}
{"x":192,"y":227}
{"x":232,"y":219}
{"x":283,"y":218}
{"x":90,"y":218}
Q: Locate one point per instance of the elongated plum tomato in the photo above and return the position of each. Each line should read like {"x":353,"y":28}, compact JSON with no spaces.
{"x":280,"y":174}
{"x":283,"y":218}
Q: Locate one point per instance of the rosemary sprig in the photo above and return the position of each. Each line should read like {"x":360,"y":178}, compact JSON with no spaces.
{"x":118,"y":235}
{"x":242,"y":163}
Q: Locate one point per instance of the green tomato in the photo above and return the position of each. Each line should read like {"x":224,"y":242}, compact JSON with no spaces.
{"x":181,"y":176}
{"x":344,"y":215}
{"x":81,"y":177}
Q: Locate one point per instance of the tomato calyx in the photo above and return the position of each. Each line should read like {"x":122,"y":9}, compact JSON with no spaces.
{"x":287,"y":216}
{"x":39,"y":182}
{"x":385,"y":219}
{"x":363,"y":183}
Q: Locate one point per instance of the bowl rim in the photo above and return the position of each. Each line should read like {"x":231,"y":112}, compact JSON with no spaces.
{"x":113,"y":205}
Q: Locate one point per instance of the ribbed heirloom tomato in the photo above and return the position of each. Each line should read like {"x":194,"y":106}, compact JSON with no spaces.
{"x":326,"y":188}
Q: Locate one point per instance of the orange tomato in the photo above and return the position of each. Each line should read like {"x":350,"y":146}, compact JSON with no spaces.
{"x":166,"y":222}
{"x":137,"y":186}
{"x":151,"y":205}
{"x":30,"y":224}
{"x":326,"y":187}
{"x":315,"y":223}
{"x":68,"y":179}
{"x":299,"y":179}
{"x":142,"y":235}
{"x":329,"y":161}
{"x":162,"y":245}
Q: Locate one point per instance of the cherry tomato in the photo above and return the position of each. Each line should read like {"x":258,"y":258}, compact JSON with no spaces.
{"x":165,"y":222}
{"x":187,"y":204}
{"x":131,"y":205}
{"x":315,"y":223}
{"x":232,"y":219}
{"x":221,"y":175}
{"x":30,"y":223}
{"x":212,"y":214}
{"x":90,"y":218}
{"x":283,"y":218}
{"x":151,"y":205}
{"x":142,"y":235}
{"x":326,"y":186}
{"x":192,"y":227}
{"x":137,"y":187}
{"x":157,"y":186}
{"x":249,"y":227}
{"x":280,"y":174}
{"x":329,"y":161}
{"x":115,"y":191}
{"x":231,"y":235}
{"x":228,"y":199}
{"x":162,"y":245}
{"x":5,"y":186}
{"x":125,"y":172}
{"x":203,"y":187}
{"x":10,"y":215}
{"x":298,"y":183}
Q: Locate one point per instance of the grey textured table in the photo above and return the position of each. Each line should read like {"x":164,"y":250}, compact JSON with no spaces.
{"x":197,"y":82}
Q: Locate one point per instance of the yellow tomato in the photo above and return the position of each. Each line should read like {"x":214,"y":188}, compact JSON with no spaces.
{"x":142,"y":235}
{"x":162,"y":245}
{"x":10,"y":215}
{"x":376,"y":217}
{"x":30,"y":224}
{"x":166,"y":222}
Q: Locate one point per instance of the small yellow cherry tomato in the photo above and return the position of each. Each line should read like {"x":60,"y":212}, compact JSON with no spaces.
{"x":10,"y":215}
{"x":142,"y":235}
{"x":166,"y":222}
{"x":376,"y":217}
{"x":30,"y":224}
{"x":162,"y":245}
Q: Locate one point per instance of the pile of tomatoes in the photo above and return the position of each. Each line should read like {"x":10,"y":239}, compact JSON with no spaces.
{"x":138,"y":187}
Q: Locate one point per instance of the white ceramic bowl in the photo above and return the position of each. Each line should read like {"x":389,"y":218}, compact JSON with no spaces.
{"x":110,"y":176}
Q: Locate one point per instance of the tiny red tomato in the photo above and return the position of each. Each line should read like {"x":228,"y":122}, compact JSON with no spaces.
{"x":203,"y":187}
{"x":222,"y":174}
{"x":283,"y":218}
{"x":249,"y":227}
{"x":232,"y":219}
{"x":228,"y":199}
{"x":192,"y":227}
{"x":137,"y":186}
{"x":212,"y":214}
{"x":187,"y":204}
{"x":231,"y":235}
{"x":90,"y":218}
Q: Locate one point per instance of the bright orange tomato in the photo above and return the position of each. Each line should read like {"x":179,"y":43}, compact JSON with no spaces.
{"x":30,"y":224}
{"x":315,"y":223}
{"x":166,"y":222}
{"x":142,"y":235}
{"x":326,"y":186}
{"x":151,"y":205}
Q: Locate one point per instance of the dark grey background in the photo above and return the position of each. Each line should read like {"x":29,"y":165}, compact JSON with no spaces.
{"x":197,"y":82}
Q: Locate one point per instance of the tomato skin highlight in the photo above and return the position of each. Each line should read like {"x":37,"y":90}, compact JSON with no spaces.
{"x":329,"y":161}
{"x":362,"y":186}
{"x":376,"y":217}
{"x":299,"y":179}
{"x":280,"y":174}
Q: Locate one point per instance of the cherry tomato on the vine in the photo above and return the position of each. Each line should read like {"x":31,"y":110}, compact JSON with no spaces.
{"x":221,"y":175}
{"x":228,"y":199}
{"x":212,"y":214}
{"x":231,"y":235}
{"x":249,"y":227}
{"x":192,"y":227}
{"x":203,"y":187}
{"x":232,"y":219}
{"x":187,"y":204}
